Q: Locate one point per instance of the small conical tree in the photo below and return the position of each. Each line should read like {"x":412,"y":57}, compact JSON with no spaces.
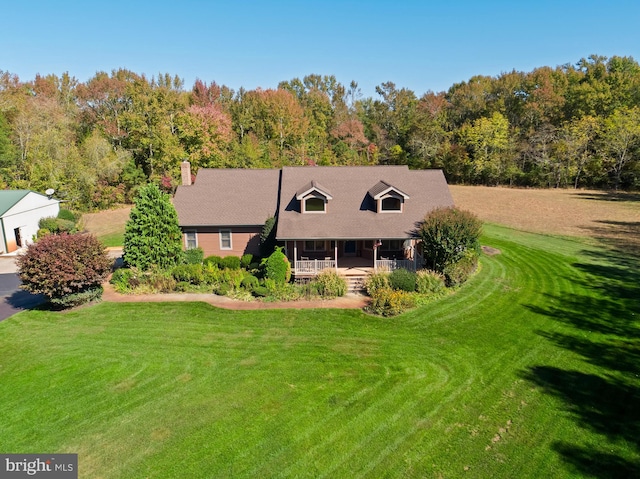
{"x":152,"y":235}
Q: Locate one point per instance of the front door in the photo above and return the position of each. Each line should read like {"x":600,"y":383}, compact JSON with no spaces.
{"x":349,"y":248}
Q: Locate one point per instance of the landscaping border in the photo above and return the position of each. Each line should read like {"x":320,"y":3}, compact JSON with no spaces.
{"x":352,"y":301}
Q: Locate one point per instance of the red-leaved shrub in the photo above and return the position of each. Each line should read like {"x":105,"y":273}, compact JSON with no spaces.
{"x":60,"y":265}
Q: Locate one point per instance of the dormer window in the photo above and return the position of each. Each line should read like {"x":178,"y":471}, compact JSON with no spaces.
{"x":314,"y":205}
{"x":313,"y":198}
{"x":391,"y":204}
{"x":388,"y":198}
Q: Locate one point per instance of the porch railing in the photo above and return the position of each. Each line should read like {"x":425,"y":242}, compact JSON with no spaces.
{"x":393,"y":264}
{"x":313,"y":266}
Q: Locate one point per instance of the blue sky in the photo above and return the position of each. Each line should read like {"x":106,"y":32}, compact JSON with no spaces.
{"x":420,"y":45}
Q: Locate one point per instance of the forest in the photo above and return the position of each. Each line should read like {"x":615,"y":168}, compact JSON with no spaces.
{"x":95,"y":142}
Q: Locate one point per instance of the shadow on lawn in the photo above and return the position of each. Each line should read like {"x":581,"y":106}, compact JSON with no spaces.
{"x":608,"y":195}
{"x":621,"y":236}
{"x":603,"y":326}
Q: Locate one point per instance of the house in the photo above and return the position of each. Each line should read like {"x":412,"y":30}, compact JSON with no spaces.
{"x":224,"y":211}
{"x":20,"y":213}
{"x":326,"y":217}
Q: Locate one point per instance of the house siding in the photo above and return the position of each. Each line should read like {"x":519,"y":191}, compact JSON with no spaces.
{"x":243,"y":240}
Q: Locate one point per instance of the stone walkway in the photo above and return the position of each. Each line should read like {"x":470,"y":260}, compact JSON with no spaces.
{"x":351,"y":301}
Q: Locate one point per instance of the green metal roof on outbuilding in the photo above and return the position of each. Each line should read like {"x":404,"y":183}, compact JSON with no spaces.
{"x":9,"y":198}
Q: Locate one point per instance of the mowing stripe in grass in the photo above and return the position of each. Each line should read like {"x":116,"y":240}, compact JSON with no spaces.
{"x":468,"y":385}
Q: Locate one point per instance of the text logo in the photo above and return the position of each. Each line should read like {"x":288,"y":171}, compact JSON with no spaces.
{"x":45,"y":466}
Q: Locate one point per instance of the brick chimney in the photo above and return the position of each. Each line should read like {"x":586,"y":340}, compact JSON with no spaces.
{"x":185,"y":169}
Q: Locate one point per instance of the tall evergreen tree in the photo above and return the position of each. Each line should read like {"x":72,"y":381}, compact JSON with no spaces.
{"x":152,"y":235}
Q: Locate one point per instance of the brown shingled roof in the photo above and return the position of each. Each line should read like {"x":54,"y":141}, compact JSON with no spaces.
{"x":228,"y":197}
{"x":311,"y":186}
{"x":351,"y":214}
{"x":242,"y":197}
{"x":383,"y":187}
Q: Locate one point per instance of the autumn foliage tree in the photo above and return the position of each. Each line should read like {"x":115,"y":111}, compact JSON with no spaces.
{"x":277,"y":119}
{"x":96,"y":142}
{"x":205,"y":132}
{"x":64,"y":267}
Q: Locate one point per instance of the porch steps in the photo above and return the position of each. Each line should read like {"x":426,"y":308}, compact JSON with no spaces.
{"x":355,"y":282}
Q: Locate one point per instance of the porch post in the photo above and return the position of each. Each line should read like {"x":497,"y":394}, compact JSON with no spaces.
{"x":295,"y":255}
{"x":335,"y":253}
{"x":375,"y":255}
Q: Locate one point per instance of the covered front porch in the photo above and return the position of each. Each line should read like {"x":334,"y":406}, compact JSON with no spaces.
{"x":349,"y":257}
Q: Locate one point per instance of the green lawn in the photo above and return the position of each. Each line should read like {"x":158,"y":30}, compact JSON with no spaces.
{"x":112,"y":239}
{"x":530,"y":370}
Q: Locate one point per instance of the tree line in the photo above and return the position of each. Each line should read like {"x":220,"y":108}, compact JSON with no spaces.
{"x":96,"y":142}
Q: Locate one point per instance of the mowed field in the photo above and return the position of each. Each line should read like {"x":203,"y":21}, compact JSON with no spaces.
{"x":612,"y":218}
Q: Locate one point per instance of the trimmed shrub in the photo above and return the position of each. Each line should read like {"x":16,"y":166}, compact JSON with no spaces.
{"x":211,"y":273}
{"x":235,"y":277}
{"x":49,"y":223}
{"x":249,"y":282}
{"x":230,"y":262}
{"x":277,"y":267}
{"x":194,"y":256}
{"x":188,"y":273}
{"x":68,"y":215}
{"x":446,"y":234}
{"x":329,"y":284}
{"x":152,"y":235}
{"x":56,"y":226}
{"x":76,"y":299}
{"x":390,"y":302}
{"x":403,"y":280}
{"x":260,"y":291}
{"x":246,"y":260}
{"x":60,"y":265}
{"x":213,"y":261}
{"x":457,"y":273}
{"x":270,"y":284}
{"x":231,"y":277}
{"x":222,"y":289}
{"x":66,"y":226}
{"x":429,"y":282}
{"x":375,"y":282}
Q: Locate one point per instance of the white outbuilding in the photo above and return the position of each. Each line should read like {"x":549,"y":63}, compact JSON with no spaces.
{"x":20,"y":212}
